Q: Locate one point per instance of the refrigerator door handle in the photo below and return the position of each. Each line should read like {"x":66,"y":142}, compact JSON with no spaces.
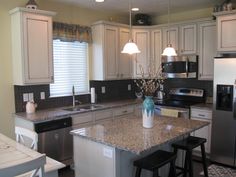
{"x":234,"y":100}
{"x":234,"y":150}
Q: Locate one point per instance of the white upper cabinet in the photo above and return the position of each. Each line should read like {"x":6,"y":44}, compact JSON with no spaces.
{"x":226,"y":27}
{"x":156,"y":47}
{"x":171,"y":36}
{"x":32,"y":46}
{"x":111,"y":51}
{"x":188,"y":39}
{"x":142,"y":38}
{"x":108,"y":63}
{"x":207,"y":50}
{"x":125,"y":60}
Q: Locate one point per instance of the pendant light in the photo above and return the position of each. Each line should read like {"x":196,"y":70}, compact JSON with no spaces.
{"x":169,"y":50}
{"x":130,"y":47}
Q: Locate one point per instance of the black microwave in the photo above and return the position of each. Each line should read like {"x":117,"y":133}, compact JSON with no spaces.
{"x":180,"y":66}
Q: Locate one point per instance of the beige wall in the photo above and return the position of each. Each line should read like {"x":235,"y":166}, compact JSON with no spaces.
{"x":186,"y":15}
{"x":68,"y":14}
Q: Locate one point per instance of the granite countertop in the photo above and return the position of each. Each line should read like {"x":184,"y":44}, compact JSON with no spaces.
{"x":204,"y":106}
{"x":128,"y":133}
{"x":59,"y":113}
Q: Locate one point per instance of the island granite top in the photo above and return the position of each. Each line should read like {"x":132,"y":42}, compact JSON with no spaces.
{"x":128,"y":133}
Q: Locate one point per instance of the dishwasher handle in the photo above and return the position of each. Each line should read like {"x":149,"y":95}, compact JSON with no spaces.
{"x":53,"y":125}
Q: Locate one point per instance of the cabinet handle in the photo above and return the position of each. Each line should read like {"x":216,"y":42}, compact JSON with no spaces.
{"x":201,"y":115}
{"x":121,"y":75}
{"x":117,"y":75}
{"x":125,"y":111}
{"x":52,"y":78}
{"x":182,"y":50}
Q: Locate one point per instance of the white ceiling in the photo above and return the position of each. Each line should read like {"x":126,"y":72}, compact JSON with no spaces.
{"x":146,"y":6}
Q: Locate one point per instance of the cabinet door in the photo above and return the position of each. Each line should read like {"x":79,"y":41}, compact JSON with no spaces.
{"x":204,"y":132}
{"x":142,"y":39}
{"x":37,"y":37}
{"x":110,"y":51}
{"x":171,"y":36}
{"x":226,"y":27}
{"x":125,"y":63}
{"x":207,"y":50}
{"x":156,"y":47}
{"x":188,"y":39}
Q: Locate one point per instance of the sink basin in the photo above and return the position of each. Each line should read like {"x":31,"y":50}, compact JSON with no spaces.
{"x":83,"y":108}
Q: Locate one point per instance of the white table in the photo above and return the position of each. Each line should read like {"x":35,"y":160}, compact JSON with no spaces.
{"x":13,"y":153}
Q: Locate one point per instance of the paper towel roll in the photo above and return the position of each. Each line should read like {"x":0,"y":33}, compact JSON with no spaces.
{"x":92,"y":95}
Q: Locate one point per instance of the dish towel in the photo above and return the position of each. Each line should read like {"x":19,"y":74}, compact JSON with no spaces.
{"x":169,"y":112}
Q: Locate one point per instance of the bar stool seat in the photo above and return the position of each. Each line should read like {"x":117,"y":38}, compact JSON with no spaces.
{"x":188,"y":144}
{"x":154,"y":161}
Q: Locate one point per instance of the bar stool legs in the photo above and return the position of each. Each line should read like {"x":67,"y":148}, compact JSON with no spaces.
{"x":204,"y":160}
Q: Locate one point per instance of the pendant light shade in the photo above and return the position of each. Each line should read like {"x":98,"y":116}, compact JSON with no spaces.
{"x":169,"y":51}
{"x":130,"y":47}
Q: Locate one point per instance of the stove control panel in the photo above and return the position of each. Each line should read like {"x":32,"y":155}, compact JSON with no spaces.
{"x":187,"y":92}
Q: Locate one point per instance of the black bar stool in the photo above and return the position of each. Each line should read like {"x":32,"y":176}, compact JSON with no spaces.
{"x":154,"y":161}
{"x":188,"y":145}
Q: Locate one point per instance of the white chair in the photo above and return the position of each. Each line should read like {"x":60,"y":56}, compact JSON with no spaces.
{"x":23,"y":133}
{"x":36,"y":166}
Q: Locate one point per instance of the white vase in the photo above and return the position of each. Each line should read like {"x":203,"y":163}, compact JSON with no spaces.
{"x":147,"y":119}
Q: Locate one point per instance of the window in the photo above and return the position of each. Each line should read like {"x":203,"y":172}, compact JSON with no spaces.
{"x":70,"y":68}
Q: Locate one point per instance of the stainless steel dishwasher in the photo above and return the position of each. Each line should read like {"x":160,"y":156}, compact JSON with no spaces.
{"x":54,"y":139}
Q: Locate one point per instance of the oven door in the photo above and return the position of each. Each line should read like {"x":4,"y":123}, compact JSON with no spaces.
{"x":181,"y":112}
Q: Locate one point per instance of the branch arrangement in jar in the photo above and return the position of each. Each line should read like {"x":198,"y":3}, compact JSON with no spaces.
{"x":150,"y":83}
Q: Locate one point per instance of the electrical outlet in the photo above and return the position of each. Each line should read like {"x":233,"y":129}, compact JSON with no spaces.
{"x":42,"y":95}
{"x":107,"y":153}
{"x":25,"y":97}
{"x":129,"y":87}
{"x":31,"y":96}
{"x":103,"y":89}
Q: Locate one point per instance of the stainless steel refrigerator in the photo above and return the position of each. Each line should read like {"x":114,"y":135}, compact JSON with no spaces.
{"x":223,"y":140}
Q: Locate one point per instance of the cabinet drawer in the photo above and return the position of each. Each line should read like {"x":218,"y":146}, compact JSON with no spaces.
{"x":82,"y":118}
{"x":203,"y":114}
{"x":123,"y":110}
{"x":105,"y":114}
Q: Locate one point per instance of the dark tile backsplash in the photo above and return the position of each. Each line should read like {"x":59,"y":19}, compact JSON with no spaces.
{"x":115,"y":90}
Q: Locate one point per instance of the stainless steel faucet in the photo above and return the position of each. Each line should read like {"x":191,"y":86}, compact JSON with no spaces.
{"x":73,"y":96}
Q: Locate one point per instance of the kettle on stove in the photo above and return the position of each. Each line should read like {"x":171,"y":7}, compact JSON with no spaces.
{"x":160,"y":94}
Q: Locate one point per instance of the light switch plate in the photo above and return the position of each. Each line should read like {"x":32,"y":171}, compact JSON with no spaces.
{"x":42,"y":95}
{"x":129,"y":87}
{"x":103,"y":89}
{"x":25,"y":97}
{"x":31,"y":96}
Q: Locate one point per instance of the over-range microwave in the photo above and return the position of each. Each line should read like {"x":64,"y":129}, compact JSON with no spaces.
{"x":180,"y":66}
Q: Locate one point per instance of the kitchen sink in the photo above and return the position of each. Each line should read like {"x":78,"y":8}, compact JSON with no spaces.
{"x":84,"y":108}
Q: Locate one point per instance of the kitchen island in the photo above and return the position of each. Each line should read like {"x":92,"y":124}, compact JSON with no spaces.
{"x":109,"y":149}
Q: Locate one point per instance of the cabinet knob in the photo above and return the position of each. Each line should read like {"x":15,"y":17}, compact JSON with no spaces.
{"x":182,"y":50}
{"x":52,"y":78}
{"x":117,"y":75}
{"x":121,"y":75}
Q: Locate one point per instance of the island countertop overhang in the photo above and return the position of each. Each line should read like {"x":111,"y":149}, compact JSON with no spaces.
{"x":128,"y":134}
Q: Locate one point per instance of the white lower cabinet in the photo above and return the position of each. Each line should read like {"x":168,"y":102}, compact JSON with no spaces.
{"x":79,"y":120}
{"x":123,"y":111}
{"x":205,"y":132}
{"x":103,"y":115}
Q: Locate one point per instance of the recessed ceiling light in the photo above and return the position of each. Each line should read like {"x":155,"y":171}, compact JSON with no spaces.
{"x":135,"y":9}
{"x":99,"y":0}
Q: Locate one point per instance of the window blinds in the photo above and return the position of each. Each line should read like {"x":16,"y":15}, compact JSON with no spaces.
{"x":70,"y":68}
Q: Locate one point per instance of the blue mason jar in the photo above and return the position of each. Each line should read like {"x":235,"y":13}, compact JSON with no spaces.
{"x":148,"y":112}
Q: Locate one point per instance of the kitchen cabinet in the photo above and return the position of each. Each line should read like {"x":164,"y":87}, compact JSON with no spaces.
{"x":226,"y":27}
{"x":103,"y":114}
{"x":79,"y":120}
{"x":142,"y":38}
{"x":207,"y":50}
{"x":32,"y":46}
{"x":124,"y":110}
{"x":188,"y":39}
{"x":156,"y":46}
{"x":171,"y":36}
{"x":205,"y":132}
{"x":107,"y":62}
